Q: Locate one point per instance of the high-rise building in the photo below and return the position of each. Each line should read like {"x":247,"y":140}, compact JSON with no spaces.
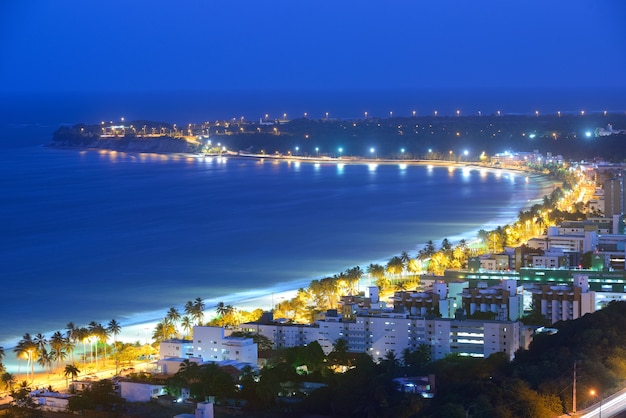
{"x":614,"y":197}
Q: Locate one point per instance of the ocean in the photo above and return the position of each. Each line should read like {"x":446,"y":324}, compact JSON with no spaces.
{"x":98,"y":235}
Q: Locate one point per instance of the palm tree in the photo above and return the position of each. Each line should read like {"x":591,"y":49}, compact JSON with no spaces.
{"x":2,"y":354}
{"x":99,"y":334}
{"x":82,"y":334}
{"x":220,"y":309}
{"x":58,"y":347}
{"x":8,"y":380}
{"x":26,"y":349}
{"x":187,"y":324}
{"x":71,"y":337}
{"x":114,"y":328}
{"x":395,"y":266}
{"x":198,"y":311}
{"x":70,"y":370}
{"x":45,"y":359}
{"x":173,"y":316}
{"x":376,"y":270}
{"x":40,"y":341}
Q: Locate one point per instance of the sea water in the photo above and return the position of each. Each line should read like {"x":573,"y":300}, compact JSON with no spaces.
{"x":94,"y":235}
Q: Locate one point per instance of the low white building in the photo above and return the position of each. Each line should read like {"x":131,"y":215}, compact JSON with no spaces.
{"x":140,"y":391}
{"x":210,"y":344}
{"x":176,"y":348}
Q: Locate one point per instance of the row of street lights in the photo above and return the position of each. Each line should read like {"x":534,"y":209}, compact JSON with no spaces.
{"x":457,"y":112}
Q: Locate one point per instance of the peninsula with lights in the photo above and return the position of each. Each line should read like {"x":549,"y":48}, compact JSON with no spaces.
{"x":456,"y":138}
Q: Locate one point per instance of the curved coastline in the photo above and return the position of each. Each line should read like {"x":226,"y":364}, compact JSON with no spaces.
{"x":263,"y":298}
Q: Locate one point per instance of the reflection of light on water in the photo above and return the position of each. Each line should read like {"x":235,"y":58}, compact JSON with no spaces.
{"x":372,"y":167}
{"x":317,"y":166}
{"x":429,"y":168}
{"x":340,"y":168}
{"x":483,"y":173}
{"x":402,"y":166}
{"x":467,"y":171}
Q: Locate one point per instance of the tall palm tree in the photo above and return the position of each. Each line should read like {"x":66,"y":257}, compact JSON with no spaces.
{"x":70,"y":370}
{"x":26,"y":349}
{"x":376,"y":271}
{"x":40,"y":341}
{"x":173,"y":317}
{"x":82,"y":334}
{"x":395,"y":265}
{"x":71,"y":338}
{"x":198,"y":310}
{"x":115,"y":328}
{"x":187,"y":324}
{"x":2,"y":354}
{"x":94,"y":334}
{"x":58,"y":347}
{"x":220,"y":309}
{"x":45,"y":359}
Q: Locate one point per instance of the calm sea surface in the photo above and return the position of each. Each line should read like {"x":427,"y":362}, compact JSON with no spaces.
{"x":91,"y":236}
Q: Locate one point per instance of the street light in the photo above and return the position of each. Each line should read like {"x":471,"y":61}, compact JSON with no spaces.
{"x":593,"y":392}
{"x":372,"y":151}
{"x":340,"y":151}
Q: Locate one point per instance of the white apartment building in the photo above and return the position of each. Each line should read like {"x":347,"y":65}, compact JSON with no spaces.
{"x":567,"y":243}
{"x":377,"y":332}
{"x":176,"y":348}
{"x":565,"y":302}
{"x":210,"y":344}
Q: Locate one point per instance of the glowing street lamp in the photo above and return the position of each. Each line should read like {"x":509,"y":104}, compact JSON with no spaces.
{"x":340,"y":151}
{"x":593,"y":392}
{"x":414,"y":113}
{"x":537,"y":113}
{"x":436,"y":112}
{"x":373,"y":151}
{"x":365,"y":115}
{"x":297,"y":149}
{"x":317,"y":151}
{"x":458,"y":113}
{"x":326,"y":115}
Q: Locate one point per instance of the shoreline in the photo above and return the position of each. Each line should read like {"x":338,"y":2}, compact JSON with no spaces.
{"x":139,"y":326}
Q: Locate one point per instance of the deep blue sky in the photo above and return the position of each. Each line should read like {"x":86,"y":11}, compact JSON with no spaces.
{"x":78,"y":45}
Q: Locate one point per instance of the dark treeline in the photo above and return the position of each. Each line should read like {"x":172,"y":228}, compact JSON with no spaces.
{"x":441,"y":137}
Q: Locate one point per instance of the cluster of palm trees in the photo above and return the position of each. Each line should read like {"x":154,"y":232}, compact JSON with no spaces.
{"x":176,"y":325}
{"x":167,"y":328}
{"x":320,"y":295}
{"x":7,"y":379}
{"x":50,"y":352}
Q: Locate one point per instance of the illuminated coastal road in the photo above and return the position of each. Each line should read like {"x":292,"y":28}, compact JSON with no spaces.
{"x":613,"y":406}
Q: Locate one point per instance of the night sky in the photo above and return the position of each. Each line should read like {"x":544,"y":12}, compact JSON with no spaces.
{"x":78,"y":45}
